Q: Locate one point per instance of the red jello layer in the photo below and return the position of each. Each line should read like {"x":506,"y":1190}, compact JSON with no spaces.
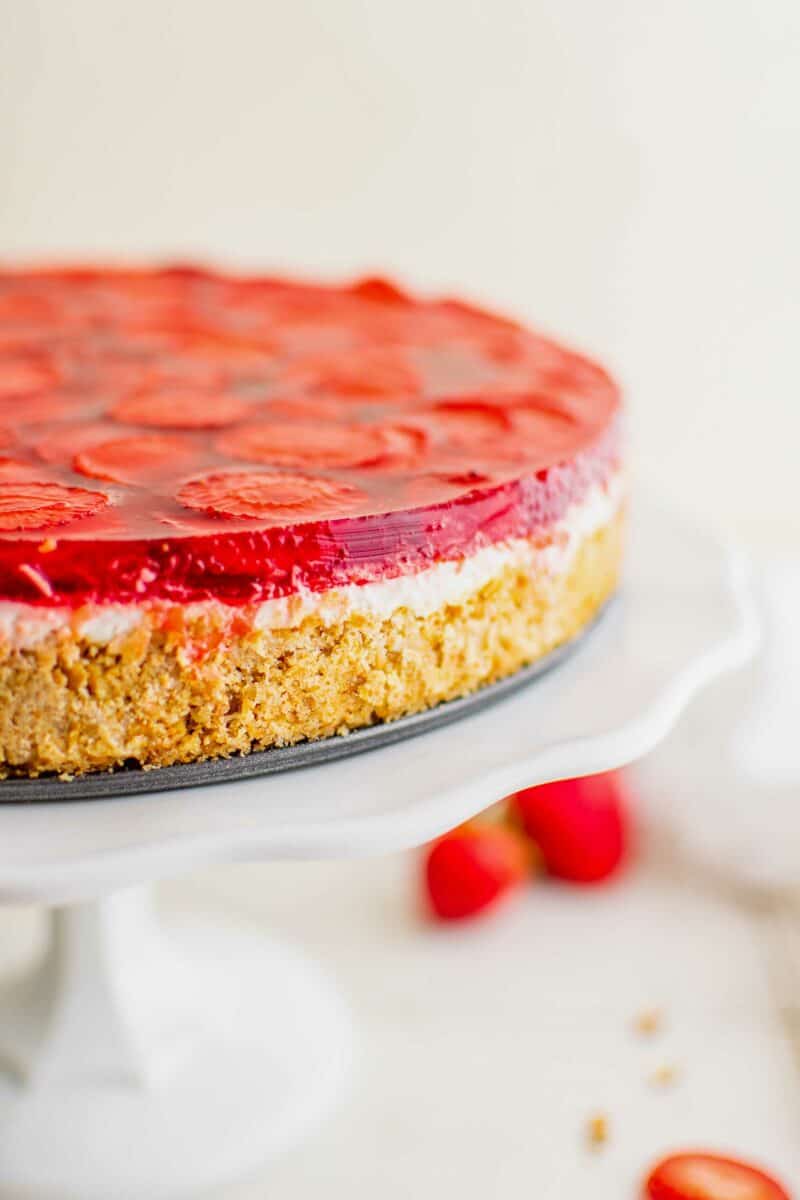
{"x":244,"y":567}
{"x":182,"y":434}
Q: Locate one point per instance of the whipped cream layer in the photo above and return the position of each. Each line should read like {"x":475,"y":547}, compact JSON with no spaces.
{"x":422,"y":592}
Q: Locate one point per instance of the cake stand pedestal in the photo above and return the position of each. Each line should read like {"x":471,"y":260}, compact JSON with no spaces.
{"x":150,"y":1063}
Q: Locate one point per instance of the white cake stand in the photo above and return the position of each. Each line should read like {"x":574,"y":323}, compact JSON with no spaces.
{"x":146,"y":1064}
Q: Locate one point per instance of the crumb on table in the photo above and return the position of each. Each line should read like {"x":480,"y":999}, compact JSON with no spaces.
{"x":597,"y":1130}
{"x":649,"y":1022}
{"x":665,"y":1075}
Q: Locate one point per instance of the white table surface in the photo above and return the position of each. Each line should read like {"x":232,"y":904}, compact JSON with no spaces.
{"x":485,"y":1048}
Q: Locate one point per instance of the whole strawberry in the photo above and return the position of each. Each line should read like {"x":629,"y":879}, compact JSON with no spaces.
{"x":710,"y":1177}
{"x":470,"y":869}
{"x":581,"y":826}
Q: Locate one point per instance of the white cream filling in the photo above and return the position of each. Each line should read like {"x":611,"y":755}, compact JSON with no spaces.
{"x":422,"y":592}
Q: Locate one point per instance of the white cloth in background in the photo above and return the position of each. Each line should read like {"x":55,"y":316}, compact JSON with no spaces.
{"x":727,"y":782}
{"x":766,"y":744}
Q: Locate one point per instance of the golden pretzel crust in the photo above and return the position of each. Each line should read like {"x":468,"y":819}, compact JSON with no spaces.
{"x":68,"y":705}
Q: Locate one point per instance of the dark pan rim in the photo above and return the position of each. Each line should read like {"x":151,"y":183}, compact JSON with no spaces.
{"x":134,"y":780}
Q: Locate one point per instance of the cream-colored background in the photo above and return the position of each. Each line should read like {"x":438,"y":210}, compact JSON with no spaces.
{"x":625,"y":173}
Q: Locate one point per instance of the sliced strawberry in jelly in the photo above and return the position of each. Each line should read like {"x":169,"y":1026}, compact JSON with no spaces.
{"x":300,"y":407}
{"x":16,"y":468}
{"x":568,"y":372}
{"x":25,"y":376}
{"x":572,"y":408}
{"x":270,"y":497}
{"x":40,"y":408}
{"x":405,"y":447}
{"x":21,"y":344}
{"x":439,"y":487}
{"x":27,"y":309}
{"x":464,"y":423}
{"x":300,"y":444}
{"x":236,"y":354}
{"x":381,"y":291}
{"x":36,"y":505}
{"x":369,"y":372}
{"x":447,"y":417}
{"x":181,"y":408}
{"x":505,"y":346}
{"x":549,"y":430}
{"x":135,"y":459}
{"x":121,"y":378}
{"x":62,"y":445}
{"x":456,"y":370}
{"x":503,"y":428}
{"x":546,"y":428}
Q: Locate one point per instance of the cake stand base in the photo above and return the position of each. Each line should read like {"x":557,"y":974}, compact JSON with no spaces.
{"x":150,"y":1062}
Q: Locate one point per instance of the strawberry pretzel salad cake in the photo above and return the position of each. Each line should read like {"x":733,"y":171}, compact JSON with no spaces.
{"x":238,"y":513}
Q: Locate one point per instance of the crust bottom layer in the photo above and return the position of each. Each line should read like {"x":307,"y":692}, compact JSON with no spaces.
{"x":69,"y":706}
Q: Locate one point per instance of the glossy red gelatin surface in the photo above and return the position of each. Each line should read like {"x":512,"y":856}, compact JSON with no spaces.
{"x":180,"y":434}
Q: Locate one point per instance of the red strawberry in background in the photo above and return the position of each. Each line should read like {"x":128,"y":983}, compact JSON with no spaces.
{"x":709,"y":1177}
{"x":470,"y":869}
{"x":581,"y":826}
